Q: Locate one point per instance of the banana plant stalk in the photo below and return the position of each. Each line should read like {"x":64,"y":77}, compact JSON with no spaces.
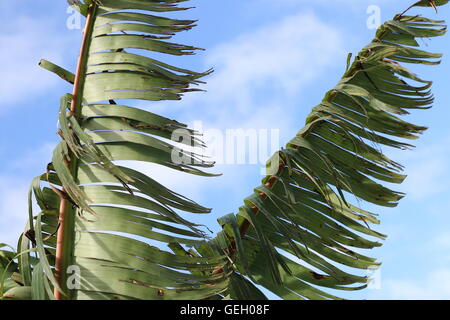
{"x":64,"y":242}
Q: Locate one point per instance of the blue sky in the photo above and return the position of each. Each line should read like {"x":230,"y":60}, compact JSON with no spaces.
{"x":273,"y":61}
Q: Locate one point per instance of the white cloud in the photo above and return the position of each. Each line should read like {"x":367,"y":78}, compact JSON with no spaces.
{"x":23,"y":43}
{"x":427,"y":189}
{"x":344,"y":6}
{"x":13,"y":209}
{"x":431,"y":279}
{"x":261,"y":76}
{"x":35,"y":160}
{"x":424,"y":179}
{"x":283,"y":53}
{"x":434,"y":286}
{"x":258,"y":84}
{"x":431,"y":247}
{"x":427,"y":169}
{"x":442,"y":241}
{"x":14,"y":192}
{"x":281,"y":56}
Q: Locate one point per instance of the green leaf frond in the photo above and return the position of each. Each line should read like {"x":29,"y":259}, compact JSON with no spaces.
{"x":298,"y":234}
{"x":121,"y":223}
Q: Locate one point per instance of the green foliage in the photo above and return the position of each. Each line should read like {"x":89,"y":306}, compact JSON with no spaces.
{"x":123,"y":230}
{"x":304,"y":208}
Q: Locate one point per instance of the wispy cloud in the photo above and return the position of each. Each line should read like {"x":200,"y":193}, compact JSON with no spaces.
{"x":14,"y":191}
{"x":259,"y":82}
{"x":427,"y":168}
{"x":434,"y":286}
{"x":353,"y":7}
{"x":22,"y":46}
{"x":261,"y":75}
{"x":281,"y":54}
{"x":13,"y":209}
{"x":442,"y":240}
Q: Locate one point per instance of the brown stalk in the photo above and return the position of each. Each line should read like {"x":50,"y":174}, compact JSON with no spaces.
{"x":243,"y":229}
{"x":64,"y":205}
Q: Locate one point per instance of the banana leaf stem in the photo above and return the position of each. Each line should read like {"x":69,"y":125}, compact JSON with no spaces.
{"x":63,"y":242}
